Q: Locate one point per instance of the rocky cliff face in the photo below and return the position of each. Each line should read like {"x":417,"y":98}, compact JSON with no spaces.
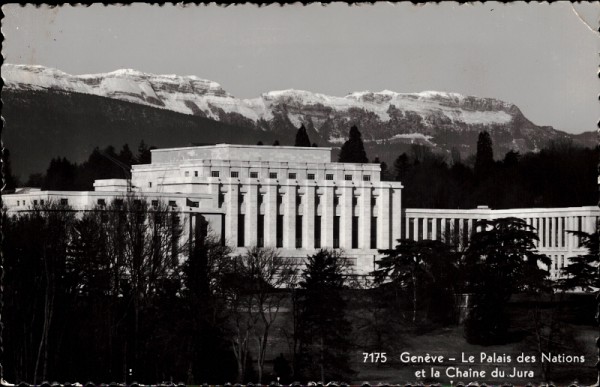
{"x":437,"y":119}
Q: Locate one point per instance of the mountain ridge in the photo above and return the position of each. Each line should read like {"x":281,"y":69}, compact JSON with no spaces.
{"x":390,"y":122}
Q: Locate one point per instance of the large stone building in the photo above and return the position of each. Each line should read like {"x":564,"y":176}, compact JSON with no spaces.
{"x":291,"y":198}
{"x":297,"y":200}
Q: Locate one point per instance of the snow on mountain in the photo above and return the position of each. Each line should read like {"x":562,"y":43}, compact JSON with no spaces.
{"x":193,"y":95}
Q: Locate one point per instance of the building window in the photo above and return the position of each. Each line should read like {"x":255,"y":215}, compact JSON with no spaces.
{"x":172,"y":203}
{"x":18,"y":202}
{"x":35,"y":202}
{"x":279,"y":231}
{"x":155,"y":203}
{"x":195,"y":173}
{"x":273,"y":175}
{"x":101,"y":202}
{"x":254,"y":175}
{"x":355,"y":232}
{"x":235,"y":174}
{"x":298,"y":231}
{"x":336,"y":232}
{"x":348,"y":177}
{"x":329,"y":176}
{"x":187,"y":173}
{"x":214,"y":173}
{"x":311,"y":176}
{"x":373,"y":232}
{"x":42,"y":202}
{"x":260,"y":225}
{"x":150,"y":184}
{"x":241,"y":229}
{"x":317,"y":231}
{"x":63,"y":202}
{"x":291,"y":175}
{"x":366,"y":177}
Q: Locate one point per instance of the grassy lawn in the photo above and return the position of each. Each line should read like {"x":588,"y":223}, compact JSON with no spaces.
{"x":374,"y":331}
{"x":576,"y":336}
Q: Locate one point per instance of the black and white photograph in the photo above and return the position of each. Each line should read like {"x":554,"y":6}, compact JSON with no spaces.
{"x":316,"y":195}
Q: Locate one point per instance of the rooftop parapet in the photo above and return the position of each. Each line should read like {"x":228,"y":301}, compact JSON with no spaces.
{"x":242,"y":153}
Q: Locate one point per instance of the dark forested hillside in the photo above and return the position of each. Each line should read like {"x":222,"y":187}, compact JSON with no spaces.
{"x":43,"y":125}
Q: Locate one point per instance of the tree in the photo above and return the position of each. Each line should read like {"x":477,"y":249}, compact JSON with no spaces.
{"x":206,"y":274}
{"x":484,"y":159}
{"x":302,"y":137}
{"x":420,"y":267}
{"x":256,"y":301}
{"x":9,"y":182}
{"x":60,"y":175}
{"x":385,"y":174}
{"x":126,"y":156}
{"x":144,"y":155}
{"x":401,"y":167}
{"x":353,"y":150}
{"x":582,"y":271}
{"x":501,"y":260}
{"x":323,"y":330}
{"x":35,"y":247}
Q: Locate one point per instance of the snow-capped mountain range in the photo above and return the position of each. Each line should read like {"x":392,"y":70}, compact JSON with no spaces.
{"x":439,"y":119}
{"x":192,"y":95}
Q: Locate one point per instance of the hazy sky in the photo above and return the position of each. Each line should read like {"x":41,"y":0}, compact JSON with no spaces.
{"x":542,"y":57}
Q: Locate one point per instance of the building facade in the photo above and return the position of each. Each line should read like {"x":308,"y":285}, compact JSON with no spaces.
{"x":298,"y":201}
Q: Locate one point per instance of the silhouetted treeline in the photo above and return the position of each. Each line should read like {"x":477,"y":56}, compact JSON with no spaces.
{"x":560,"y":175}
{"x":107,"y":163}
{"x":119,"y":293}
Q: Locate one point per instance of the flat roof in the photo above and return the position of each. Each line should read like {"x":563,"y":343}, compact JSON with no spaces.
{"x":225,"y":145}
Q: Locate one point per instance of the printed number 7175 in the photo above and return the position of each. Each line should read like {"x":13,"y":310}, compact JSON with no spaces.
{"x":374,"y":357}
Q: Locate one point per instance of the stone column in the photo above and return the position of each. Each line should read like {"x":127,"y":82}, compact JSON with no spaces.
{"x":434,"y":228}
{"x":537,"y":224}
{"x":569,"y":236}
{"x":289,"y":217}
{"x":231,"y":217}
{"x":443,"y":229}
{"x":364,"y":217}
{"x":327,"y":214}
{"x":417,"y":226}
{"x":271,"y":215}
{"x":425,"y":228}
{"x":251,"y":216}
{"x":546,"y":227}
{"x":396,"y":214}
{"x":469,"y":228}
{"x":560,"y":231}
{"x":406,"y":226}
{"x":589,"y":224}
{"x":554,"y":233}
{"x":346,"y":216}
{"x":383,"y":219}
{"x":308,"y":218}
